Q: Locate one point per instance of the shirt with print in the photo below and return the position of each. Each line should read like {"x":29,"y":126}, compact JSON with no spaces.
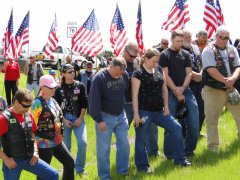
{"x":36,"y":110}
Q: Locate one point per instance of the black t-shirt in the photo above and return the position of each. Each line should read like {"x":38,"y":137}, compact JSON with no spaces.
{"x":130,"y":68}
{"x":176,"y":62}
{"x":150,"y":90}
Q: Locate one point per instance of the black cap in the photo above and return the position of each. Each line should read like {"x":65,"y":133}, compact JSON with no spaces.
{"x":66,"y":67}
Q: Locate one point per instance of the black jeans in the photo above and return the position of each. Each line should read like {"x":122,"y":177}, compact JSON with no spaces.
{"x":10,"y":86}
{"x":61,"y":153}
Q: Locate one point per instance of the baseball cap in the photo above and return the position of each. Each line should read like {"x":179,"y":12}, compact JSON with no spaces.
{"x":48,"y":81}
{"x":52,"y":72}
{"x":66,"y":67}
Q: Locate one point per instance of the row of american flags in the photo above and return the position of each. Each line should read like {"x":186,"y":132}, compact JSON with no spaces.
{"x":87,"y":40}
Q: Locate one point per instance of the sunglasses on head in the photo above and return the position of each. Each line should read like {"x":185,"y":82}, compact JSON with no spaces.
{"x":131,"y":56}
{"x":25,"y":105}
{"x":223,"y":38}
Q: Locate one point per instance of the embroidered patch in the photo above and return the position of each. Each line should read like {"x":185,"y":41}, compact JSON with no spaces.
{"x":12,"y":121}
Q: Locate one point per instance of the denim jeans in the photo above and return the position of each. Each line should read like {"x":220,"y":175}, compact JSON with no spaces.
{"x":81,"y":137}
{"x":197,"y":90}
{"x":119,"y":126}
{"x":41,"y":168}
{"x":34,"y":86}
{"x":61,"y":153}
{"x":152,"y":135}
{"x":191,"y":122}
{"x":175,"y":136}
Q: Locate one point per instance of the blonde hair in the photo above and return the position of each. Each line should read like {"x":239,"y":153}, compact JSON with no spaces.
{"x":151,"y":52}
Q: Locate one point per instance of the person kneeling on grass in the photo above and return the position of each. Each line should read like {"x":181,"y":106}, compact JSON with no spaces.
{"x":150,"y":104}
{"x":20,"y":152}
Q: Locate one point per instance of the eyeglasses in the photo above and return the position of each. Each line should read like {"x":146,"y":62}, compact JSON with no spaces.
{"x":50,"y":87}
{"x":223,"y":38}
{"x":70,"y":72}
{"x":164,"y":43}
{"x":131,"y":56}
{"x":89,"y":66}
{"x":25,"y":105}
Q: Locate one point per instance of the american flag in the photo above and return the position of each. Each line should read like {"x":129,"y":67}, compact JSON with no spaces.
{"x":118,"y":35}
{"x":139,"y":35}
{"x":52,"y":41}
{"x":210,"y":18}
{"x":219,"y":14}
{"x":8,"y":34}
{"x":178,"y":16}
{"x":88,"y":39}
{"x":19,"y":40}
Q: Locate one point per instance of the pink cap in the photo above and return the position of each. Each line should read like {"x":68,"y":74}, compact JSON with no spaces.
{"x":47,"y":80}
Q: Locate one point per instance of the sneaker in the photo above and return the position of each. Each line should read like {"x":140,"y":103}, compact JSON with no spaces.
{"x":147,"y":170}
{"x":185,"y":163}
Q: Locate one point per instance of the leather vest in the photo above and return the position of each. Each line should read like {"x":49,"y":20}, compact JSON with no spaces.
{"x":30,"y":73}
{"x":220,"y":66}
{"x":46,"y":122}
{"x":71,"y":104}
{"x":18,"y":141}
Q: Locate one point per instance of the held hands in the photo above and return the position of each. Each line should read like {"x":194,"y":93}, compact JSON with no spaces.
{"x":34,"y":159}
{"x":67,"y":123}
{"x":229,"y":82}
{"x":102,"y":126}
{"x":166,"y":111}
{"x":78,"y":122}
{"x":10,"y":163}
{"x":178,"y":91}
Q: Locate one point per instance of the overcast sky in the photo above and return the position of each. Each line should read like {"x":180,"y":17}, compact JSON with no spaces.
{"x":154,"y":13}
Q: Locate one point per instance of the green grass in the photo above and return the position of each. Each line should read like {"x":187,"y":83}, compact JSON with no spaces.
{"x":206,"y":165}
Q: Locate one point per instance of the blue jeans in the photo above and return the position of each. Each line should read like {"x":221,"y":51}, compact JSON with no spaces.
{"x":175,"y":136}
{"x":191,"y":122}
{"x":41,"y":168}
{"x":119,"y":126}
{"x":197,"y":90}
{"x":81,"y":137}
{"x":34,"y":86}
{"x":152,"y":136}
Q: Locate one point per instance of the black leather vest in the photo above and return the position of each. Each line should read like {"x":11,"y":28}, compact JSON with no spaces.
{"x":30,"y":74}
{"x":209,"y":80}
{"x":71,"y":103}
{"x":18,"y":141}
{"x":46,"y":122}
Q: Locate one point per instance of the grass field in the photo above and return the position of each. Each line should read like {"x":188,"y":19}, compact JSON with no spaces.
{"x":206,"y":165}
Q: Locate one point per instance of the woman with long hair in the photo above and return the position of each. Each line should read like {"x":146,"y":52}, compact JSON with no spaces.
{"x":150,"y":105}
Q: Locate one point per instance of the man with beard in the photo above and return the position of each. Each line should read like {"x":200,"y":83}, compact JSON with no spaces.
{"x":195,"y":84}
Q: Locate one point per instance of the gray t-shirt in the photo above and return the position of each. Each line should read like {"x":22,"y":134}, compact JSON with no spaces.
{"x":208,"y":58}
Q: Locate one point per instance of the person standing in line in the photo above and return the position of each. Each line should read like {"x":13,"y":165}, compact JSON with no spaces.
{"x":11,"y":80}
{"x":177,"y":67}
{"x":107,"y":102}
{"x":221,"y":71}
{"x":48,"y":117}
{"x":17,"y":128}
{"x":150,"y":105}
{"x":33,"y":70}
{"x":73,"y":99}
{"x":196,"y":82}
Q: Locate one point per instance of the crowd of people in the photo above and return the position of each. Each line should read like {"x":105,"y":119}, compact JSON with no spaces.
{"x":175,"y":87}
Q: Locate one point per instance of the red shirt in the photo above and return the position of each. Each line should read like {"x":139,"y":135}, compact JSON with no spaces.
{"x":12,"y":72}
{"x":20,"y":119}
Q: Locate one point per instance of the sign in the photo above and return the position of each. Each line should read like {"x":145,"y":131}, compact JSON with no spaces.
{"x":71,"y":28}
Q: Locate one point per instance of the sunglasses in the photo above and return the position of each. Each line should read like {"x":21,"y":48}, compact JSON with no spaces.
{"x":89,"y":66}
{"x":70,"y":72}
{"x":131,"y":56}
{"x":50,"y":87}
{"x":25,"y":105}
{"x":223,"y":38}
{"x":123,"y":67}
{"x":164,"y":43}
